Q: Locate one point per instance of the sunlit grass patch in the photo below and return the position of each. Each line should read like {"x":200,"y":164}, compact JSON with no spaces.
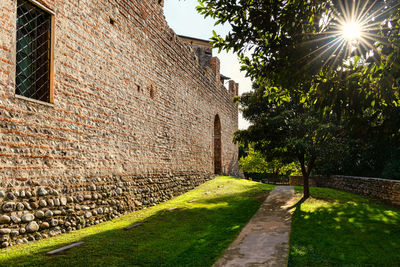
{"x":338,"y":228}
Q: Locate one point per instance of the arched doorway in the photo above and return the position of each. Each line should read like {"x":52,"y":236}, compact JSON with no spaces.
{"x":217,"y":146}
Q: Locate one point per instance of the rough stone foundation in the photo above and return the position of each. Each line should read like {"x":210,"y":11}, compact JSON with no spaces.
{"x":36,"y":211}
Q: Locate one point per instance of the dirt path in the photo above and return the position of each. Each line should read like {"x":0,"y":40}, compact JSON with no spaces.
{"x":264,"y":241}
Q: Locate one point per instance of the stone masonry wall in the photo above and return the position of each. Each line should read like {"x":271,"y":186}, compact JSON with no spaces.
{"x":383,"y":189}
{"x":131,"y":125}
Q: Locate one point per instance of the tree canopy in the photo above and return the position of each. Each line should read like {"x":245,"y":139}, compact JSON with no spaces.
{"x":317,"y":92}
{"x":297,"y":45}
{"x":289,"y":131}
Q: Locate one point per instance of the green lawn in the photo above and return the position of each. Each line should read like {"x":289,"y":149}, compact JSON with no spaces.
{"x":335,"y":228}
{"x":194,"y":235}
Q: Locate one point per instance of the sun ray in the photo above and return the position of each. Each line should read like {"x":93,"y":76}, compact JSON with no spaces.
{"x":340,"y":42}
{"x":338,"y":49}
{"x":362,"y":14}
{"x":331,"y":36}
{"x":385,"y":10}
{"x":353,"y":29}
{"x":344,"y":10}
{"x":340,"y":52}
{"x":374,"y":37}
{"x":361,"y":11}
{"x":353,"y":11}
{"x":335,"y":41}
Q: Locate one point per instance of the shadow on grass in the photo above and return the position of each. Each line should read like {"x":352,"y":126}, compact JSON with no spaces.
{"x":344,"y":233}
{"x":333,"y":195}
{"x":194,"y":236}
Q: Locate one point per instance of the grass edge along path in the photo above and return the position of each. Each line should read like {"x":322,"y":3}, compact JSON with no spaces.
{"x":208,"y":219}
{"x":336,"y":228}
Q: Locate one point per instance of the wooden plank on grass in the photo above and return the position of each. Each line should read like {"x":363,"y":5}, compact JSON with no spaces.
{"x":172,"y":209}
{"x":133,"y":226}
{"x":56,"y":251}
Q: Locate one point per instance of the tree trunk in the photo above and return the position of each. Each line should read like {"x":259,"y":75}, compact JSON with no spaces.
{"x":306,"y":185}
{"x":306,"y":170}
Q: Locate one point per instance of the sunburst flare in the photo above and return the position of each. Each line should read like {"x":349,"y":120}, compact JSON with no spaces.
{"x":351,"y":29}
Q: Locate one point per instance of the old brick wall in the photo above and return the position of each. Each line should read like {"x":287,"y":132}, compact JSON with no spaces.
{"x":383,"y":189}
{"x":132,"y":122}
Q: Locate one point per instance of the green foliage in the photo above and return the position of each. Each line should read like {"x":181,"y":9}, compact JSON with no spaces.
{"x":255,"y":162}
{"x":377,"y":157}
{"x":392,"y":170}
{"x":335,"y":228}
{"x":293,"y":46}
{"x":321,"y":102}
{"x":196,"y":234}
{"x":288,"y":131}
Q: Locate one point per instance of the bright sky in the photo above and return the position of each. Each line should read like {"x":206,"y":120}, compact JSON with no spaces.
{"x":183,"y":18}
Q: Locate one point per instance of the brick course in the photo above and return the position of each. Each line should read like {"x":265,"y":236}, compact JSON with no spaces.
{"x":131,"y":124}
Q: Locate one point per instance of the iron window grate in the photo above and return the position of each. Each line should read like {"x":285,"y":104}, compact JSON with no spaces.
{"x":33,"y":51}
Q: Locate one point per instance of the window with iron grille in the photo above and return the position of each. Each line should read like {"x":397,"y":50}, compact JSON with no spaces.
{"x":33,"y":76}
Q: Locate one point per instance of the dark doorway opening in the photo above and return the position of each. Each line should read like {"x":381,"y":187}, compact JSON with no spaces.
{"x":217,"y":146}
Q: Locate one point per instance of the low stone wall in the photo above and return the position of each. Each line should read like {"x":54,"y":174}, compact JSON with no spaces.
{"x":32,"y":211}
{"x":383,"y":189}
{"x":297,"y":180}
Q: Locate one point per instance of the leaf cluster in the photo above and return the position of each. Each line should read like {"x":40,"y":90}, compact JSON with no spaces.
{"x":292,"y":45}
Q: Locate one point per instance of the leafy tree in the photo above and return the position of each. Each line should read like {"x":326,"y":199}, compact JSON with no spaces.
{"x":289,"y":131}
{"x":316,"y":90}
{"x":373,"y":155}
{"x":255,"y":162}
